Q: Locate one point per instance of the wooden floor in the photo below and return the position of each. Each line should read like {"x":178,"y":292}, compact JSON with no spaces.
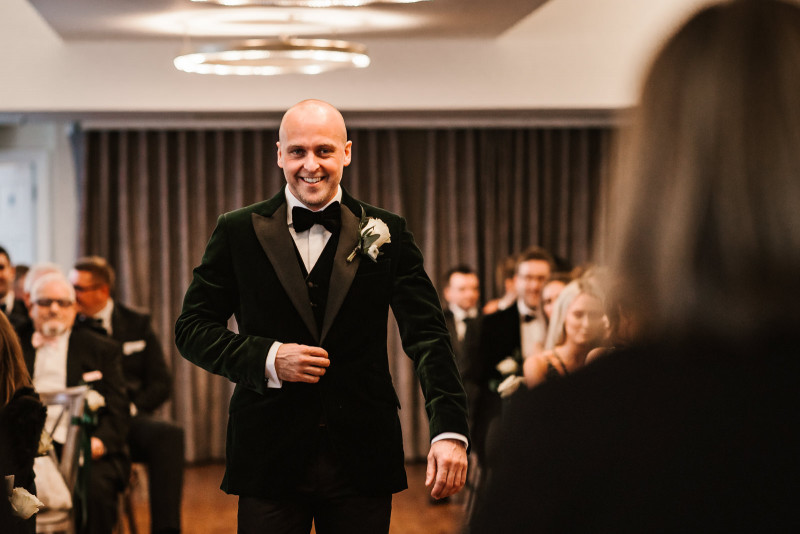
{"x":207,"y":510}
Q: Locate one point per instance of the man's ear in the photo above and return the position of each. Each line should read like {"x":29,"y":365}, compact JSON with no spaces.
{"x":347,"y":153}
{"x":279,"y":154}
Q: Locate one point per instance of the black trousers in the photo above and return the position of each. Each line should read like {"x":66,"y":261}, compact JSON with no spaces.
{"x":160,"y":446}
{"x":323,"y":495}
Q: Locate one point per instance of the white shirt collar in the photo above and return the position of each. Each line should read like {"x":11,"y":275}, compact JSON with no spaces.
{"x":293,"y":202}
{"x":105,"y":315}
{"x":9,"y":300}
{"x":524,"y":309}
{"x":460,"y":314}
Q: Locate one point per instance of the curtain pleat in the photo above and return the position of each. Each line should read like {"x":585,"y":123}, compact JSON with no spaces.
{"x":150,"y":199}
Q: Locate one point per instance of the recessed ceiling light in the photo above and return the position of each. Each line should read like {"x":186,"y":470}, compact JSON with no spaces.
{"x":271,"y":57}
{"x":307,"y":3}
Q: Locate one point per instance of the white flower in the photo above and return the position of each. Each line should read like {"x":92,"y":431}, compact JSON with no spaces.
{"x":94,"y":400}
{"x":373,"y":234}
{"x":508,"y":386}
{"x":24,"y":503}
{"x":509,"y":366}
{"x":45,"y":443}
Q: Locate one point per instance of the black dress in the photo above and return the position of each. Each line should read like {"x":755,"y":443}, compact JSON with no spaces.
{"x":21,"y":423}
{"x":684,"y":436}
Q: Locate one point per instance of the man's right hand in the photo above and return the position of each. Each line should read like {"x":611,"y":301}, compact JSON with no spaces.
{"x":301,"y":363}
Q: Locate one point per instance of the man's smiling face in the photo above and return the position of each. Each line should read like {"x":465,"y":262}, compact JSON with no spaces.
{"x":313,"y":151}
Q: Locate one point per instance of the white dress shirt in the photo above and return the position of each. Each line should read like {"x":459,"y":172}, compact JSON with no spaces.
{"x":532,"y":333}
{"x":460,"y":317}
{"x":50,"y":374}
{"x":105,"y":316}
{"x":310,"y":245}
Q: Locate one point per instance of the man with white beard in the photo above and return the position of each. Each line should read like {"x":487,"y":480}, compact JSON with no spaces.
{"x":60,"y":356}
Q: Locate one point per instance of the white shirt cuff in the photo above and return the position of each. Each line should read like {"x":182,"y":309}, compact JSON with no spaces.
{"x":270,"y":373}
{"x":451,"y":435}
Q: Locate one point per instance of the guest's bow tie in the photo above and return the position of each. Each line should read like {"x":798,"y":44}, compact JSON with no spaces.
{"x":528,"y":318}
{"x":95,"y":323}
{"x":330,"y":218}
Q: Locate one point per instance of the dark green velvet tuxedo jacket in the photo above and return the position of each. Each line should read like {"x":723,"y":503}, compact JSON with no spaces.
{"x":250,"y":269}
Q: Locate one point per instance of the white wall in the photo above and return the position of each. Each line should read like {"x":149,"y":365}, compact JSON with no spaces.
{"x":568,"y":54}
{"x":47,"y":147}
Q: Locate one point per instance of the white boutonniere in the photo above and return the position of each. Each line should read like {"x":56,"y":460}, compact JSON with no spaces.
{"x":23,"y":503}
{"x":510,"y":379}
{"x":45,"y":443}
{"x":372,"y":234}
{"x":94,"y":400}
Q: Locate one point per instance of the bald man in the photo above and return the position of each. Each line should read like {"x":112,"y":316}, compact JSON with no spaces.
{"x":310,"y":274}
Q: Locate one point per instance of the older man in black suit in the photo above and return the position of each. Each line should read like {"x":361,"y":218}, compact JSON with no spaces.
{"x":60,"y":356}
{"x":157,"y":443}
{"x":310,"y":274}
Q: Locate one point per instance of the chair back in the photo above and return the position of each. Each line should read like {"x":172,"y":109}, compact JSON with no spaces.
{"x":68,"y":405}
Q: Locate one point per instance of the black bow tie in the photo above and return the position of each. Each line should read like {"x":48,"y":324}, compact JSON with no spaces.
{"x":95,"y":323}
{"x":528,"y":318}
{"x":330,"y":218}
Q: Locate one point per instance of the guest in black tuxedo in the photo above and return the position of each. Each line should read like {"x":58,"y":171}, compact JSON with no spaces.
{"x":461,"y":293}
{"x":313,"y":430}
{"x":511,"y":333}
{"x":10,"y":303}
{"x":695,"y":427}
{"x":157,"y":443}
{"x":59,"y":356}
{"x":21,"y":422}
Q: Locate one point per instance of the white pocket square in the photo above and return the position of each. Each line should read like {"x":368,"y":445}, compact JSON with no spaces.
{"x":130,"y":347}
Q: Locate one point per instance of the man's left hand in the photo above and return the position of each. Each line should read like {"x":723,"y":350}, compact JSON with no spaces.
{"x":447,"y":468}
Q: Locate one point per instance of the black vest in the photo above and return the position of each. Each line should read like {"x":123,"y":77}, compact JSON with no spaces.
{"x":319,"y":279}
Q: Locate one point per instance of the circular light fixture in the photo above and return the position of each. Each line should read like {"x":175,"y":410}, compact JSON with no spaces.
{"x":271,"y":57}
{"x":307,"y":3}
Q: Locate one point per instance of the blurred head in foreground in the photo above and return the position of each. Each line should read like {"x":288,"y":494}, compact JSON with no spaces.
{"x":706,"y":220}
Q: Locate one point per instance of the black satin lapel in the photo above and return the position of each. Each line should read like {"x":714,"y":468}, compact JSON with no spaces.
{"x":275,"y":239}
{"x":343,"y":272}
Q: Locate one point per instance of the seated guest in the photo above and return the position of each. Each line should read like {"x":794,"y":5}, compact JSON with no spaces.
{"x":19,"y":278}
{"x":551,"y":290}
{"x":60,"y":356}
{"x":10,"y":302}
{"x":505,"y":336}
{"x":504,"y":280}
{"x":461,"y":293}
{"x":694,"y":427}
{"x":21,"y":422}
{"x":36,"y":271}
{"x":156,"y":443}
{"x":576,"y":327}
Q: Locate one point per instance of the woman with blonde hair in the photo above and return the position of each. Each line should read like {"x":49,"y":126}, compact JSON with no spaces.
{"x":576,"y":327}
{"x":22,"y":418}
{"x":693,"y":427}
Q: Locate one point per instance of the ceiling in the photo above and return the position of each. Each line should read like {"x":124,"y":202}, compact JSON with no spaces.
{"x":132,"y":20}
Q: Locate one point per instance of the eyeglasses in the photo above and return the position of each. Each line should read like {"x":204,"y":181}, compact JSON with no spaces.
{"x":84,"y":289}
{"x":46,"y":303}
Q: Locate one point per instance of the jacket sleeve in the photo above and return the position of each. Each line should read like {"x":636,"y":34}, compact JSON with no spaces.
{"x":426,"y":340}
{"x":201,"y":332}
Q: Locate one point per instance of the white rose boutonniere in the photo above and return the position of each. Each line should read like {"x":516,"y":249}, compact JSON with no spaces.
{"x":24,"y":503}
{"x":373,"y":233}
{"x":45,"y":443}
{"x":94,"y":400}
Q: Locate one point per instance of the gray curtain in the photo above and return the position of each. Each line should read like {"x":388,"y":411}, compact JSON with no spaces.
{"x":150,"y":199}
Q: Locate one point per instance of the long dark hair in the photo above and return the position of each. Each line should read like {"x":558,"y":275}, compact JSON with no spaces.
{"x":706,"y":225}
{"x":13,"y":373}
